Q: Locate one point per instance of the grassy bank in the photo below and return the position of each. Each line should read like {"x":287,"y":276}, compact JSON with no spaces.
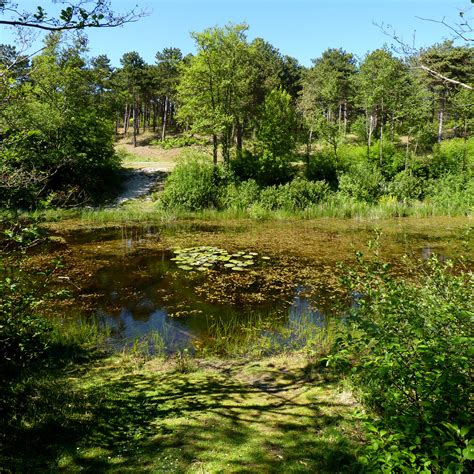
{"x":150,"y":212}
{"x":124,"y":414}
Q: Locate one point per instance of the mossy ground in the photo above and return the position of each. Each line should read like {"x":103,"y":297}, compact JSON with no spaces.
{"x":124,"y":414}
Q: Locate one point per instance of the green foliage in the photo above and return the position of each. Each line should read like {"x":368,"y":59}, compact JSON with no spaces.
{"x":275,"y":130}
{"x":240,"y":196}
{"x":452,"y":192}
{"x":54,"y":139}
{"x":323,"y":166}
{"x":193,"y":185}
{"x":178,"y":142}
{"x":265,"y":168}
{"x":296,"y":195}
{"x":363,"y":182}
{"x":453,"y":157}
{"x":411,"y":351}
{"x":215,"y":85}
{"x":24,"y":336}
{"x":405,"y":186}
{"x":299,"y":194}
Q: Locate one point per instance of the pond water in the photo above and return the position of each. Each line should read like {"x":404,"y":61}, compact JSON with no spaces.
{"x":125,"y":276}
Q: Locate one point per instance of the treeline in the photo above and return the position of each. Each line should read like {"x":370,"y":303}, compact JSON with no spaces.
{"x":259,"y":109}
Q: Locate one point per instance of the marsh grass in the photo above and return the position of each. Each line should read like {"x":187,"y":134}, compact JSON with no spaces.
{"x":151,"y":212}
{"x":259,"y":335}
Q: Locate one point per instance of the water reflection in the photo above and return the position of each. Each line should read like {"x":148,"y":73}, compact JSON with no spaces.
{"x":126,"y":329}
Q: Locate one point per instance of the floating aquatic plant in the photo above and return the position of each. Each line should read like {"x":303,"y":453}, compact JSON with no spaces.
{"x":206,"y":258}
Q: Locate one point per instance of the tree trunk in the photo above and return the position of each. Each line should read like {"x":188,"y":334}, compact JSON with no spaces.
{"x":214,"y":149}
{"x":226,"y":139}
{"x":345,"y":118}
{"x":154,"y":117}
{"x":407,"y":152}
{"x":308,"y":146}
{"x":440,"y":126}
{"x":371,"y":129}
{"x":381,"y":138}
{"x":126,"y":118}
{"x":238,"y":137}
{"x":165,"y":118}
{"x":135,"y":125}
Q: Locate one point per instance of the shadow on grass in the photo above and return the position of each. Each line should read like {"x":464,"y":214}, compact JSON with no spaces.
{"x":170,"y":422}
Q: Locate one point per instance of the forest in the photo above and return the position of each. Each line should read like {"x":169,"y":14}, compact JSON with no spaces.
{"x":226,"y":261}
{"x":379,"y":130}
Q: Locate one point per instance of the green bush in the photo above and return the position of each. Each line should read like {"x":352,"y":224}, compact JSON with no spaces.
{"x":240,"y":196}
{"x":194,"y":184}
{"x":266,"y":169}
{"x":178,"y":142}
{"x":453,"y":156}
{"x":323,"y":166}
{"x":301,"y":194}
{"x":77,"y":163}
{"x":405,"y":186}
{"x":363,"y":182}
{"x":24,"y":336}
{"x":410,"y":346}
{"x":246,"y":166}
{"x":455,"y":192}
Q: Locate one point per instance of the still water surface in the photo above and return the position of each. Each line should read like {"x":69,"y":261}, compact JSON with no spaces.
{"x":125,"y":278}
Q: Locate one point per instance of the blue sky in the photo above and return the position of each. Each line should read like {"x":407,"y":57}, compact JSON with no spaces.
{"x":299,"y":28}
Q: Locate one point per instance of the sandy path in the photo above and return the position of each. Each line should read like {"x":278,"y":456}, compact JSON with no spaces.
{"x":140,"y":182}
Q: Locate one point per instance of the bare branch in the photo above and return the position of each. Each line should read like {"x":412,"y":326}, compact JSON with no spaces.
{"x":459,"y":30}
{"x":444,"y":78}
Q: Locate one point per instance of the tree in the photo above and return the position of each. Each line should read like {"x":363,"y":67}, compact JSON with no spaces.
{"x":53,"y":136}
{"x":167,"y":74}
{"x":215,"y":87}
{"x":133,"y":70}
{"x":327,"y":95}
{"x":461,"y":30}
{"x":380,"y":85}
{"x":74,"y":16}
{"x":275,"y":131}
{"x":450,"y":62}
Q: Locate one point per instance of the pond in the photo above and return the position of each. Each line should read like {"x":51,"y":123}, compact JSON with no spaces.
{"x":130,"y":279}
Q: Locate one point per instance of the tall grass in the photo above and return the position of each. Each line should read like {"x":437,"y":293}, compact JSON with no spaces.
{"x":259,"y":335}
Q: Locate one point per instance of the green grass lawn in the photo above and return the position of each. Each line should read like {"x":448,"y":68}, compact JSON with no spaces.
{"x":124,"y":415}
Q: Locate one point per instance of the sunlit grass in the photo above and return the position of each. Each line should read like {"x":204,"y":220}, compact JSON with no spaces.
{"x":220,"y":417}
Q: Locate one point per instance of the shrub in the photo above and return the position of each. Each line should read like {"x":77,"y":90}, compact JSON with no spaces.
{"x":452,"y":157}
{"x":178,"y":142}
{"x":297,"y":195}
{"x":301,"y":194}
{"x":405,"y":186}
{"x":246,"y":166}
{"x":323,"y":166}
{"x":266,"y":169}
{"x":452,"y":192}
{"x":269,"y":198}
{"x":193,"y":185}
{"x":410,"y":347}
{"x":363,"y":182}
{"x":240,"y":196}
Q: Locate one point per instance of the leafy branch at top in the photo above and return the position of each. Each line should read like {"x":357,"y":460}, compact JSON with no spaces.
{"x":74,"y":16}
